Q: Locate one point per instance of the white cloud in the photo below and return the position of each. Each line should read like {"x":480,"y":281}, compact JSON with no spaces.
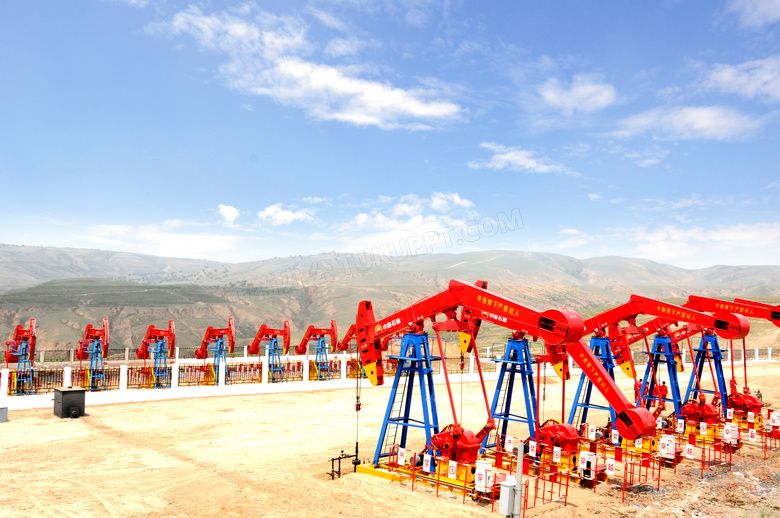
{"x":340,"y":47}
{"x":689,"y":122}
{"x":133,"y":3}
{"x":756,"y":14}
{"x":409,"y":205}
{"x":574,"y":238}
{"x":163,"y":240}
{"x":586,"y":94}
{"x":756,"y":78}
{"x":229,"y":214}
{"x":647,"y":158}
{"x":275,"y":215}
{"x":514,"y":158}
{"x":270,"y":56}
{"x":314,"y":199}
{"x":444,"y":201}
{"x":594,"y":197}
{"x":329,"y":20}
{"x":706,"y":246}
{"x":663,"y":205}
{"x":413,"y":224}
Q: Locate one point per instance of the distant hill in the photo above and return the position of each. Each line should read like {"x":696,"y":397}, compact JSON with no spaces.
{"x":65,"y":289}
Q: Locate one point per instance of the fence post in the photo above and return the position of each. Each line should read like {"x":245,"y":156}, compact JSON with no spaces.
{"x":127,"y":353}
{"x":246,"y":351}
{"x":123,"y":376}
{"x":66,"y":375}
{"x":769,"y":353}
{"x":343,"y":362}
{"x":174,"y":375}
{"x":682,"y":356}
{"x":756,"y":353}
{"x":222,"y":372}
{"x":71,"y":358}
{"x":177,"y":354}
{"x":264,"y":366}
{"x":41,"y":356}
{"x":4,"y":373}
{"x":471,"y":363}
{"x":306,"y":369}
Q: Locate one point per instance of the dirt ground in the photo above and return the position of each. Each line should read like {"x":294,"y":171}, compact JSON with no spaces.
{"x":268,"y":455}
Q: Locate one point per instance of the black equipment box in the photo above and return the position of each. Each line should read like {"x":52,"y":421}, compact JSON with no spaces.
{"x":69,"y":402}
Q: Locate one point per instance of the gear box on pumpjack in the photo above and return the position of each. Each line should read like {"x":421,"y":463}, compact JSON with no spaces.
{"x":69,"y":402}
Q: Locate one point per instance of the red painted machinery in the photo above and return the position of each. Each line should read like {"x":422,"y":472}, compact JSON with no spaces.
{"x":154,"y":342}
{"x":743,"y":402}
{"x":343,"y":345}
{"x":266,"y":333}
{"x":561,"y":330}
{"x":91,"y":335}
{"x":23,"y":338}
{"x":94,"y":347}
{"x":314,"y":333}
{"x":214,"y":340}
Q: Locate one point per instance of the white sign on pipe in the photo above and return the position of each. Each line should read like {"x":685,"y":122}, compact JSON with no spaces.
{"x":729,"y":413}
{"x":610,"y":466}
{"x":615,"y":437}
{"x":509,"y":443}
{"x":638,"y":443}
{"x":752,"y":436}
{"x":427,"y":463}
{"x":591,"y":432}
{"x":680,"y":425}
{"x":479,"y":478}
{"x":703,"y":428}
{"x":452,"y":470}
{"x":689,"y":451}
{"x":557,"y":454}
{"x":401,"y":456}
{"x":532,"y":448}
{"x":751,"y":417}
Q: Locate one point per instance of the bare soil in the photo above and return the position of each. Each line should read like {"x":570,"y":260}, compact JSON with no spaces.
{"x":268,"y":455}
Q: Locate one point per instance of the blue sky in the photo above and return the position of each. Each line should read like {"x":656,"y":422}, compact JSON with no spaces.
{"x":243,"y":131}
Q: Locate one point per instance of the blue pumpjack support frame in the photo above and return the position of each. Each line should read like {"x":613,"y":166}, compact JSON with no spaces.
{"x":708,"y":347}
{"x":517,"y":361}
{"x":603,"y":351}
{"x":321,"y":360}
{"x":24,"y":377}
{"x":414,"y":362}
{"x":275,"y":370}
{"x":661,"y":351}
{"x":161,"y":377}
{"x":220,"y":352}
{"x":97,"y":372}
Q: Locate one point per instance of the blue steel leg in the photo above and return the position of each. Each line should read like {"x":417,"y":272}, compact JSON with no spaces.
{"x":388,"y":411}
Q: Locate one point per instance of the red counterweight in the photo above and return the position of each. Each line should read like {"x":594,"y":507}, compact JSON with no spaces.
{"x":21,"y":334}
{"x":266,"y":333}
{"x":91,"y":334}
{"x":313,"y":333}
{"x":212,"y":335}
{"x":154,"y":335}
